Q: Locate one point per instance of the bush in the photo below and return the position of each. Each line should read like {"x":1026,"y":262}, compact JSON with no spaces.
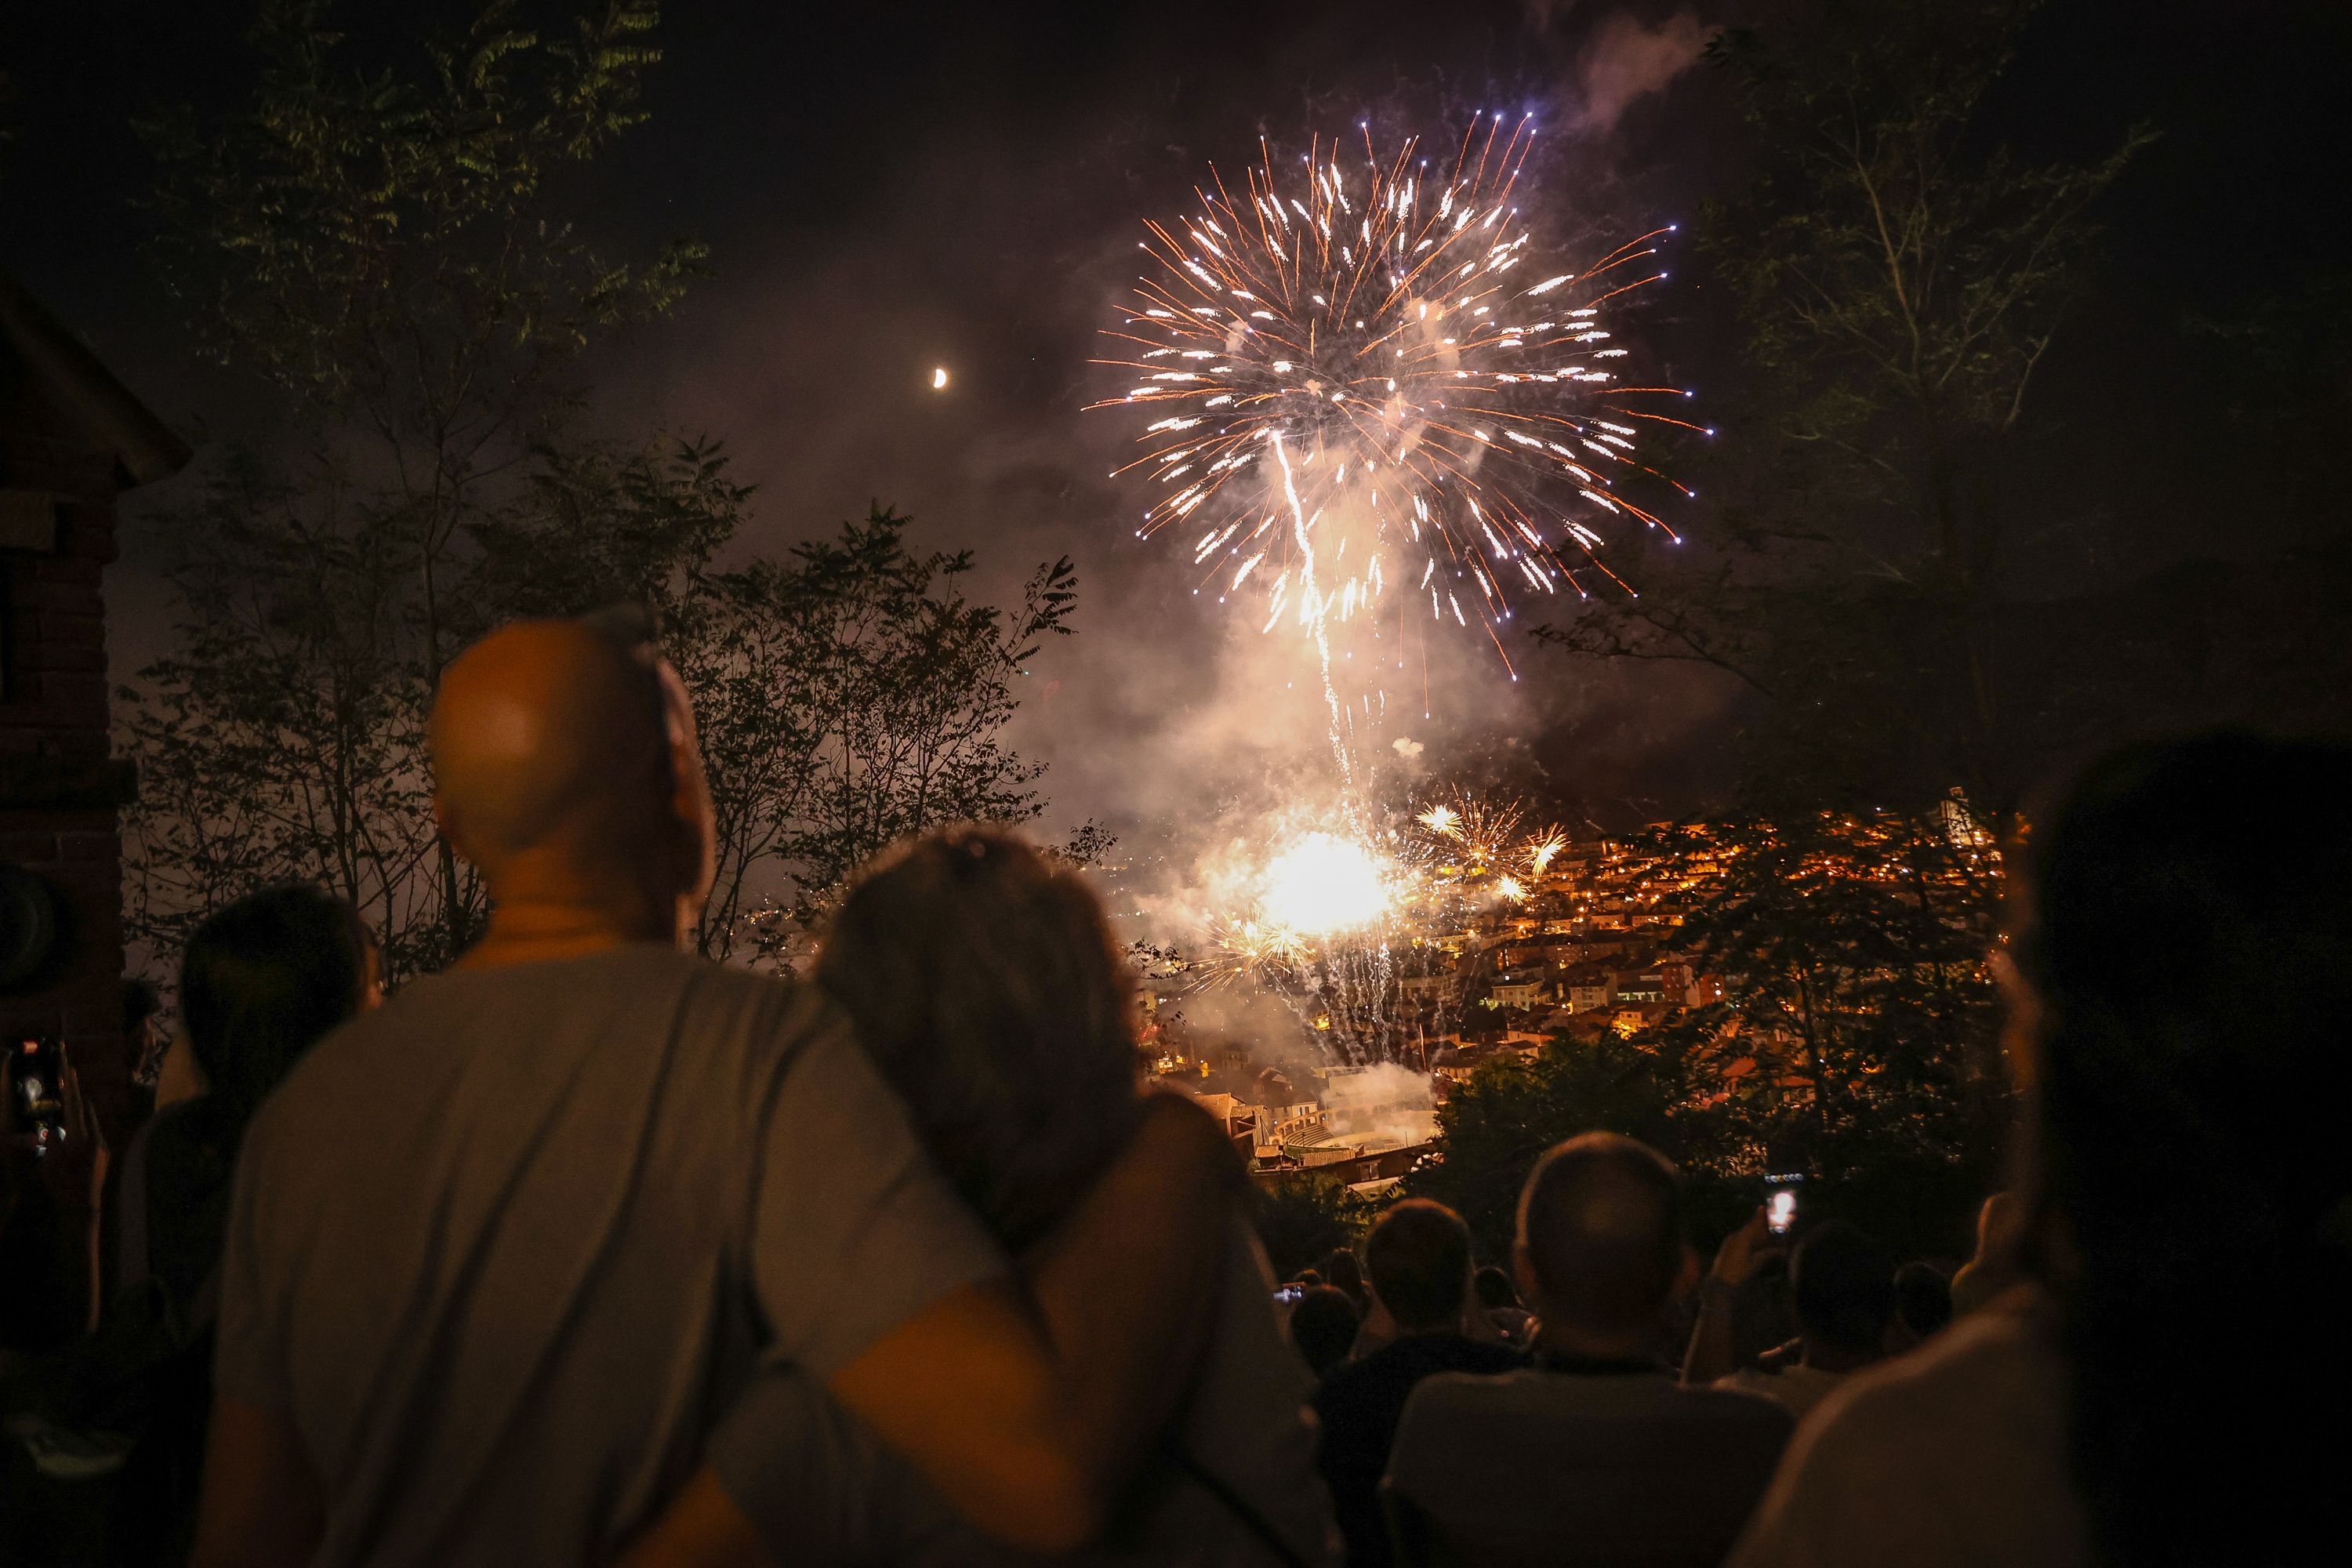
{"x":1494,"y":1128}
{"x":1303,"y":1220}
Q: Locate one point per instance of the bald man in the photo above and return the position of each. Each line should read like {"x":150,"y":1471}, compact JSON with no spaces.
{"x":1596,"y":1455}
{"x":501,"y":1252}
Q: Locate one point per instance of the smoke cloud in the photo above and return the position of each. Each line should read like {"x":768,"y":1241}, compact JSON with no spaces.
{"x":1385,"y":1104}
{"x":1627,"y":59}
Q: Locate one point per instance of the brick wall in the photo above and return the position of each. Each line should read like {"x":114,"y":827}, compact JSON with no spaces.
{"x":56,"y":700}
{"x":59,"y":790}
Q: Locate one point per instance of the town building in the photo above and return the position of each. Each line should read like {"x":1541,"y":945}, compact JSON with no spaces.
{"x":72,"y":439}
{"x":1587,"y":989}
{"x":1522,"y":991}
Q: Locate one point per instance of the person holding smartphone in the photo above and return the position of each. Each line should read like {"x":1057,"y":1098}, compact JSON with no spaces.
{"x":1842,"y":1282}
{"x":1713,"y":1351}
{"x":262,"y":980}
{"x":52,"y":1166}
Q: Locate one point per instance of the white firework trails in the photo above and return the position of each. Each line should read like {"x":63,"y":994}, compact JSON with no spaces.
{"x":1368,"y":395}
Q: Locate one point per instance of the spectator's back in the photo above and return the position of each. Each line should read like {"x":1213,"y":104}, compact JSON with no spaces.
{"x":1559,"y":1465}
{"x":1594,"y":1456}
{"x":500,"y":1233}
{"x":1418,"y":1256}
{"x":499,"y":1254}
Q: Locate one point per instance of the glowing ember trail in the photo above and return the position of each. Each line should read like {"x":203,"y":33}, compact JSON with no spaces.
{"x":1367,"y":395}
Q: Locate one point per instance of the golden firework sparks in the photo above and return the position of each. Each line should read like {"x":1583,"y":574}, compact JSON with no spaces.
{"x":1545,"y":851}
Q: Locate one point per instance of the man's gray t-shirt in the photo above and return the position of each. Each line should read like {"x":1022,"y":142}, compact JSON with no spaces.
{"x":507,"y":1247}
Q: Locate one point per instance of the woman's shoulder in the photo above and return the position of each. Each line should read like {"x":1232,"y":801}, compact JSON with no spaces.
{"x":1251,"y":1384}
{"x":1998,"y":1369}
{"x":1969,"y":1431}
{"x":1247,"y":1426}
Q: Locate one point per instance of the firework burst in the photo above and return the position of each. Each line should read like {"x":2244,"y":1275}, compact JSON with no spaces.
{"x":1544,"y":850}
{"x":1472,"y":852}
{"x":1311,"y":890}
{"x":1317,"y":889}
{"x":1367,"y":394}
{"x":1468,"y":835}
{"x":1247,"y":948}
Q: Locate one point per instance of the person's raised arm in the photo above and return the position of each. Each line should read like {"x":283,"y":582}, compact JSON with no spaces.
{"x":1032,"y":1436}
{"x":1712,"y":1354}
{"x":1028,"y":1409}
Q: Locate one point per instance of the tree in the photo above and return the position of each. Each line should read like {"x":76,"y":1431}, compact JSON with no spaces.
{"x":1303,"y":1222}
{"x":399,"y":260}
{"x":283,"y":738}
{"x":848,"y":696}
{"x":1858,"y":1019}
{"x":1492,"y":1129}
{"x":851,"y":695}
{"x":1899,"y":281}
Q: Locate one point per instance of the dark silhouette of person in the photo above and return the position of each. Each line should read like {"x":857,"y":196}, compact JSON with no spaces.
{"x":1417,"y":1266}
{"x":1923,"y":1305}
{"x":2179,"y":993}
{"x":262,"y":980}
{"x":1841,"y":1283}
{"x":1323,"y":1326}
{"x":1596,"y":1454}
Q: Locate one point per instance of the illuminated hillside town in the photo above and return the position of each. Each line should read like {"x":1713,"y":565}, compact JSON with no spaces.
{"x":1584,"y":939}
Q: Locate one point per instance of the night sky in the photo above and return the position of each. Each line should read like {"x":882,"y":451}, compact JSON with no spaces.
{"x":888,"y":188}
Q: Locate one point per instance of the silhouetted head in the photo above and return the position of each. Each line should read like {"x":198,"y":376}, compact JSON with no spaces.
{"x":1923,"y":1299}
{"x":1323,"y":1325}
{"x":1600,"y":1242}
{"x":262,"y":980}
{"x":1842,"y":1281}
{"x":1417,"y":1260}
{"x":2184,"y":939}
{"x":985,"y":983}
{"x":1341,"y":1270}
{"x":564,"y":759}
{"x":1493,"y":1287}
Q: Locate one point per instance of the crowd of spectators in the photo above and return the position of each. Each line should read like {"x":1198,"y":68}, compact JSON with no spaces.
{"x":586,"y":1250}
